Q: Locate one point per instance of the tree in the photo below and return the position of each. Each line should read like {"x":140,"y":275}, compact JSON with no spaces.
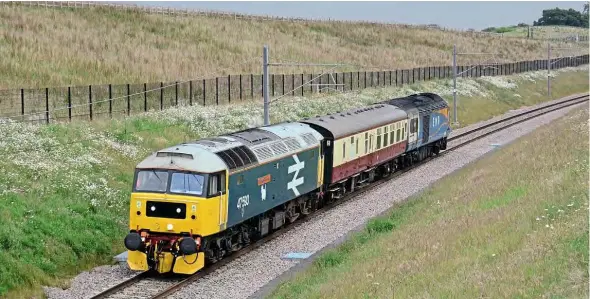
{"x":586,"y":8}
{"x":563,"y":17}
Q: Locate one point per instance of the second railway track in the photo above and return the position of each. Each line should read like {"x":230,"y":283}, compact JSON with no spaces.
{"x":144,"y":285}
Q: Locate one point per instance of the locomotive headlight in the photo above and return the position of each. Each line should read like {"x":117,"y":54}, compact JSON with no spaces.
{"x":178,"y":210}
{"x":169,"y":226}
{"x":153,"y":208}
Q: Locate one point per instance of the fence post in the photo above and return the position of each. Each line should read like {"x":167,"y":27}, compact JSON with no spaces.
{"x":47,"y":104}
{"x":69,"y":104}
{"x":190,"y":92}
{"x":128,"y":99}
{"x":283,"y":82}
{"x":161,"y":95}
{"x":365,"y":79}
{"x":262,"y":86}
{"x":311,"y":83}
{"x":378,"y":75}
{"x":252,"y":85}
{"x":216,"y":90}
{"x":402,"y":77}
{"x":358,"y":80}
{"x":240,"y":87}
{"x":350,"y":80}
{"x":110,"y":101}
{"x":272,"y":79}
{"x":229,"y":89}
{"x":204,"y":94}
{"x":90,"y":100}
{"x":293,"y":84}
{"x":22,"y":102}
{"x":176,"y":93}
{"x":302,"y":87}
{"x":144,"y":97}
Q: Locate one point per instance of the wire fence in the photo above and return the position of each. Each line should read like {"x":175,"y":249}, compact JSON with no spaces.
{"x":171,"y":11}
{"x":91,"y":102}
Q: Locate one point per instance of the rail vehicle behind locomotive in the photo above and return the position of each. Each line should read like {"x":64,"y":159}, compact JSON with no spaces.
{"x":196,"y":202}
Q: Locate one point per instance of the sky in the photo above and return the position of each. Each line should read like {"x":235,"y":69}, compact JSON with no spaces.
{"x":458,"y":14}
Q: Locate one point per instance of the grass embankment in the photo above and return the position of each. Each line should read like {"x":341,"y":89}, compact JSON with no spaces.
{"x":65,"y":187}
{"x":512,"y":225}
{"x":44,"y":47}
{"x":542,"y":32}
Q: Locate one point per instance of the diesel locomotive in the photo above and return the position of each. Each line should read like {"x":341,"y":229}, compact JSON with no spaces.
{"x":196,"y":202}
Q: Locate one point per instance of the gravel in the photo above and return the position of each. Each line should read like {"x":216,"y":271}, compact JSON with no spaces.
{"x":245,"y":276}
{"x":90,"y":283}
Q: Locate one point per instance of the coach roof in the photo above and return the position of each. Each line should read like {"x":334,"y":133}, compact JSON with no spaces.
{"x":357,"y":120}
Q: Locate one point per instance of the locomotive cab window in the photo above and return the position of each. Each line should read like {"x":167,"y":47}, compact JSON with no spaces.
{"x":187,"y":183}
{"x":151,"y":180}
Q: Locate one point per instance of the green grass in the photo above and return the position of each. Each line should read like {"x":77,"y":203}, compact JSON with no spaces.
{"x":66,"y":192}
{"x":512,"y":225}
{"x":56,"y":47}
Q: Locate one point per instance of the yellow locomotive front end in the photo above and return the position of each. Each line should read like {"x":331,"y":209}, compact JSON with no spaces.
{"x":178,"y":199}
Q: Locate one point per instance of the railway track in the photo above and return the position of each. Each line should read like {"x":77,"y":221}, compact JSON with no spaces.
{"x":146,"y":285}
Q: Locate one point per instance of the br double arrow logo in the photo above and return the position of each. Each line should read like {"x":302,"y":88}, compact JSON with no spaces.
{"x":296,"y":182}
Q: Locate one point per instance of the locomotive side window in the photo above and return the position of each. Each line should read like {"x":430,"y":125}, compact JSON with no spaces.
{"x":216,"y":184}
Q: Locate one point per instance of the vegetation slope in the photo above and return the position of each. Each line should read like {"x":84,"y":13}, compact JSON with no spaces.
{"x":44,"y":47}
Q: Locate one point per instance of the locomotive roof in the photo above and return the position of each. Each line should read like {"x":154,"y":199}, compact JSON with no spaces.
{"x":236,"y":150}
{"x":356,"y":120}
{"x":422,"y":101}
{"x":185,"y":157}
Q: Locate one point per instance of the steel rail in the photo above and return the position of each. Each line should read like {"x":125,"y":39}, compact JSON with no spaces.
{"x":515,"y":116}
{"x":125,"y":284}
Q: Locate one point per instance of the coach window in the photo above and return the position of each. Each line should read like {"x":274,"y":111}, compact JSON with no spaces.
{"x":378,"y":138}
{"x":366,"y":143}
{"x":385,"y":137}
{"x":357,"y":146}
{"x":391,"y":135}
{"x":343,"y":150}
